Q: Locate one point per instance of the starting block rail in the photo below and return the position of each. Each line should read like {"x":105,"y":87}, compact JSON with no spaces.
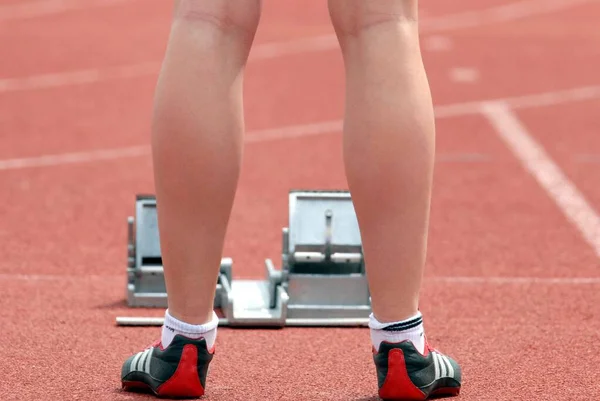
{"x":321,"y":281}
{"x":158,"y":321}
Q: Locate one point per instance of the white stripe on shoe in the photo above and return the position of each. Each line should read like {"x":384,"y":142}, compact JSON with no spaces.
{"x":443,"y":366}
{"x":147,"y":361}
{"x":140,"y":362}
{"x":450,"y":368}
{"x":133,"y":366}
{"x":436,"y":364}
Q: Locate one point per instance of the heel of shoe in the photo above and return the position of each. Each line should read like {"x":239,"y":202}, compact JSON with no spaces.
{"x":397,"y":384}
{"x":185,"y":382}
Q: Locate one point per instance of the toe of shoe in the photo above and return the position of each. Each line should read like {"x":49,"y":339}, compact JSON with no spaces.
{"x":457,"y":370}
{"x":125,"y":369}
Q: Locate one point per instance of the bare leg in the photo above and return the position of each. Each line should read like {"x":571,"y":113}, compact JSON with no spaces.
{"x":197,"y":144}
{"x":197,"y":149}
{"x":388,"y":145}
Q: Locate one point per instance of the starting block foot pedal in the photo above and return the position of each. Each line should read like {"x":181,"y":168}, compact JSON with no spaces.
{"x":321,"y":281}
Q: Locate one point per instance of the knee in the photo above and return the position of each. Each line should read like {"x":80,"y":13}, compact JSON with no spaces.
{"x":229,"y":17}
{"x":352,"y":18}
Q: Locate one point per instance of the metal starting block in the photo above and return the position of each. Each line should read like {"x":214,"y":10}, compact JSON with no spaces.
{"x":145,"y":274}
{"x":321,"y":281}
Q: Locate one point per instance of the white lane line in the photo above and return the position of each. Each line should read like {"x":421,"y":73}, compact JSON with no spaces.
{"x":298,"y":131}
{"x":485,"y":280}
{"x":437,"y":43}
{"x":544,"y":99}
{"x":554,"y":98}
{"x":515,"y":280}
{"x":76,"y":157}
{"x":58,"y":277}
{"x":40,"y":8}
{"x":151,"y":68}
{"x":587,"y":158}
{"x":493,"y":15}
{"x":79,"y":77}
{"x":525,"y":8}
{"x":298,"y":46}
{"x":295,"y":131}
{"x":547,"y":173}
{"x":465,"y":75}
{"x":144,"y":151}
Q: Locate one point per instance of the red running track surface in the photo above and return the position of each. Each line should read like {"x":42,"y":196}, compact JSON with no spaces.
{"x":512,"y":286}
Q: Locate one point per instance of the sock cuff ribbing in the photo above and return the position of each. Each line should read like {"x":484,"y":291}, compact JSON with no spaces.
{"x":402,"y":325}
{"x":176,"y":325}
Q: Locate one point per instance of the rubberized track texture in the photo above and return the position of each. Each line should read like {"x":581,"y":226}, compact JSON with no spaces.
{"x":512,"y":287}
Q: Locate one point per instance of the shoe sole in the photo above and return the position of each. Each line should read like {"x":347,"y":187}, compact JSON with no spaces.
{"x":143,"y":387}
{"x":445,"y":392}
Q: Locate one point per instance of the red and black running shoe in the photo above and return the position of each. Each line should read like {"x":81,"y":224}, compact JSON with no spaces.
{"x":403,"y":373}
{"x":178,"y":371}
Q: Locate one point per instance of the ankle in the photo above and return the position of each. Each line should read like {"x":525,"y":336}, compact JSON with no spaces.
{"x":190,"y":318}
{"x":410,"y":329}
{"x":173,"y":326}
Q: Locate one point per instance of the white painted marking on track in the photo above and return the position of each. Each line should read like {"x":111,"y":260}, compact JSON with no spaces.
{"x":514,"y":280}
{"x":553,"y":98}
{"x":464,"y":75}
{"x":299,"y":46}
{"x":295,"y":131}
{"x":40,"y":8}
{"x":76,"y":157}
{"x":492,"y":15}
{"x":57,"y":277}
{"x":298,"y":131}
{"x":437,"y":43}
{"x":144,"y":151}
{"x":544,"y":99}
{"x":587,"y":158}
{"x":503,"y":13}
{"x":78,"y":77}
{"x":547,"y":173}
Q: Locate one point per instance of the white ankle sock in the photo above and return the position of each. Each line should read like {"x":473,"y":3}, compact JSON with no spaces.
{"x":172,"y":327}
{"x":410,"y":329}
